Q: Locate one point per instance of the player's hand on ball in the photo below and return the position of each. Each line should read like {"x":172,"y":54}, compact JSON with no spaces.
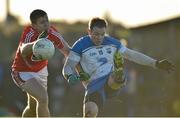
{"x":165,"y":65}
{"x":72,"y":79}
{"x":34,"y":58}
{"x":43,"y":49}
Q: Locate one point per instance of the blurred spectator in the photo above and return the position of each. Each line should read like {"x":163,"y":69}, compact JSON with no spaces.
{"x":1,"y":74}
{"x":57,"y":94}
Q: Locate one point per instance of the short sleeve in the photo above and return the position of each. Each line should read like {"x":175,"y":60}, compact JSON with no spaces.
{"x":28,"y":35}
{"x":74,"y":56}
{"x":77,"y":47}
{"x":56,"y":38}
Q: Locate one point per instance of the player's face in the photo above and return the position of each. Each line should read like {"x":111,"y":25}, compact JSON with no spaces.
{"x":41,"y":24}
{"x":97,"y":35}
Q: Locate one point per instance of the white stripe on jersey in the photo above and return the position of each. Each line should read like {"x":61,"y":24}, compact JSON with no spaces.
{"x":57,"y":34}
{"x":28,"y":37}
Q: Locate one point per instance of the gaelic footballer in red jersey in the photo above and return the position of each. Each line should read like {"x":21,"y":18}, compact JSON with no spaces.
{"x":29,"y":36}
{"x":30,"y":75}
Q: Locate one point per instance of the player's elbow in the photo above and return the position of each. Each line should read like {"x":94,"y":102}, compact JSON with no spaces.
{"x":26,"y":49}
{"x":23,"y":52}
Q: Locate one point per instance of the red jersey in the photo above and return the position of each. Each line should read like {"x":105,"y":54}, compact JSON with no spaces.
{"x":30,"y":35}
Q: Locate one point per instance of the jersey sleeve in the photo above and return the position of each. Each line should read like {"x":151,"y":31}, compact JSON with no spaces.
{"x":73,"y":56}
{"x":27,"y":35}
{"x":56,"y":38}
{"x":77,"y":47}
{"x":76,"y":51}
{"x":119,"y":45}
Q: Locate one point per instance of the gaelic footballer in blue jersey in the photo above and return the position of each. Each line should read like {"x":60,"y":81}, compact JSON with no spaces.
{"x":101,"y":65}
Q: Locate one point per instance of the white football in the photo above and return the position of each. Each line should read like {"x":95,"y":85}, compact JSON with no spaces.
{"x":43,"y":49}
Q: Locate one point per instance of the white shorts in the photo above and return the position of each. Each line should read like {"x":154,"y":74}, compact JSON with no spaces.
{"x":21,"y":77}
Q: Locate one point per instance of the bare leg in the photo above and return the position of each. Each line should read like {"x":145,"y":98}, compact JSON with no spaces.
{"x":30,"y":110}
{"x":37,"y":91}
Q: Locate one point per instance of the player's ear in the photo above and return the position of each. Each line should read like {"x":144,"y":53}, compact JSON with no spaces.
{"x":89,"y":31}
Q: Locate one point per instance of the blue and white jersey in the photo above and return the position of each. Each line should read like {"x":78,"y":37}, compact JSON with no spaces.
{"x":97,"y":61}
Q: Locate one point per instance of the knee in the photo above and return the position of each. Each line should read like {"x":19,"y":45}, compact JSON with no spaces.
{"x":90,"y":109}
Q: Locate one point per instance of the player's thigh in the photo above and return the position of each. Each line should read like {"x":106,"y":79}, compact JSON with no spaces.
{"x":35,"y":89}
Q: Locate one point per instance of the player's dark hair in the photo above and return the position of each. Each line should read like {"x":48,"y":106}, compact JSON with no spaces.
{"x":97,"y":22}
{"x":37,"y":13}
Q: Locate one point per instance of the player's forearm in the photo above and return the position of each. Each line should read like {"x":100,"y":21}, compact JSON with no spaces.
{"x":26,"y":49}
{"x":69,"y":68}
{"x":66,"y":71}
{"x":139,"y":58}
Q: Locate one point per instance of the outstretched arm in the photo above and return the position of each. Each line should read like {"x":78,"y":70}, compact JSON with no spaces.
{"x":139,"y":58}
{"x":142,"y":59}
